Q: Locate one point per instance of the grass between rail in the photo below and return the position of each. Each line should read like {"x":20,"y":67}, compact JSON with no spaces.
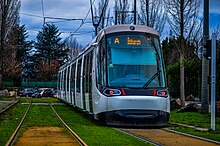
{"x":92,"y":132}
{"x":198,"y":120}
{"x":10,"y":121}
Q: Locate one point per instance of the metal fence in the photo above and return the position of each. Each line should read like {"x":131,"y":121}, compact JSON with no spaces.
{"x":31,"y":84}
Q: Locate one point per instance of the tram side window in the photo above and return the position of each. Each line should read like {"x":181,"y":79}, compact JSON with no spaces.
{"x":67,"y":78}
{"x":78,"y":75}
{"x":64,"y":82}
{"x":73,"y":78}
{"x":101,"y":63}
{"x":89,"y":75}
{"x":59,"y":81}
{"x":61,"y":86}
{"x":85,"y":70}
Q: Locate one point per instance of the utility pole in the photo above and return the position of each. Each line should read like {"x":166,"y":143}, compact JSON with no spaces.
{"x":205,"y":62}
{"x":213,"y":81}
{"x":147,"y":12}
{"x":135,"y":11}
{"x":116,"y":15}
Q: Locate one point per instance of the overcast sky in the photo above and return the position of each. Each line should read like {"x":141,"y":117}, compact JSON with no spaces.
{"x":32,"y":16}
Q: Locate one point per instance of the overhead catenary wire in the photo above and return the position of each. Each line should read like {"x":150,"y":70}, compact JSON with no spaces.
{"x":83,"y":22}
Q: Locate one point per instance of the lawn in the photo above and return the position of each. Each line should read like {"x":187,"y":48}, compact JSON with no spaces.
{"x":198,"y":120}
{"x":39,"y":100}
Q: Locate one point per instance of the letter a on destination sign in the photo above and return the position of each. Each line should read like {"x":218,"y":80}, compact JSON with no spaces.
{"x":116,"y":41}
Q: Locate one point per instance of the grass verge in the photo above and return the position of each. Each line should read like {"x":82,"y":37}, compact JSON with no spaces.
{"x":198,"y":120}
{"x":92,"y":132}
{"x":3,"y":98}
{"x":39,"y":100}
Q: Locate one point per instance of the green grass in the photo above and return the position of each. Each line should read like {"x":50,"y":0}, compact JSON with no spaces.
{"x":213,"y":135}
{"x":39,"y":100}
{"x":198,"y":120}
{"x":193,"y":118}
{"x":41,"y":115}
{"x":2,"y":98}
{"x":94,"y":133}
{"x":10,"y":121}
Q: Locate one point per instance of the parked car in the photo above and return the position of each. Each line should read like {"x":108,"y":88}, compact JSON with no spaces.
{"x":27,"y":92}
{"x":38,"y":93}
{"x":48,"y":93}
{"x":55,"y":93}
{"x":43,"y":92}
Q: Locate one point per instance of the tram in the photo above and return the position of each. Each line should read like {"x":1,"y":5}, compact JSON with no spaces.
{"x":119,"y":78}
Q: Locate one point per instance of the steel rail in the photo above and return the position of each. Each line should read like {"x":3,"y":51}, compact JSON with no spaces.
{"x":192,"y":136}
{"x":138,"y":137}
{"x":12,"y":138}
{"x":9,"y":107}
{"x":81,"y":142}
{"x":168,"y":130}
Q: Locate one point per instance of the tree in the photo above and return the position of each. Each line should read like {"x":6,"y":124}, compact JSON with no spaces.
{"x":23,"y":45}
{"x":23,"y":55}
{"x":192,"y":67}
{"x":9,"y":10}
{"x":105,"y":16}
{"x":152,"y":14}
{"x":74,"y":47}
{"x":183,"y":18}
{"x":50,"y":52}
{"x":122,"y":10}
{"x":98,"y":21}
{"x":18,"y":55}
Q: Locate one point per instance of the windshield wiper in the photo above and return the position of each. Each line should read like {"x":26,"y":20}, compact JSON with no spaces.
{"x":150,"y":80}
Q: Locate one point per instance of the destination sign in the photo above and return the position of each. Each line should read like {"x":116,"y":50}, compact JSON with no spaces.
{"x":127,"y":40}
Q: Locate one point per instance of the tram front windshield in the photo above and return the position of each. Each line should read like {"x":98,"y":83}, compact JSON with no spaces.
{"x":134,"y":61}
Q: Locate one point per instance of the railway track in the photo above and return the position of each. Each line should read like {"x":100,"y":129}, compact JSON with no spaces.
{"x":12,"y":138}
{"x":166,"y":137}
{"x":75,"y":136}
{"x":8,"y":107}
{"x":81,"y":142}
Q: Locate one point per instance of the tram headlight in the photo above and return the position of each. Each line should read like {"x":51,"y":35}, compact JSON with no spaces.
{"x":162,"y":93}
{"x":112,"y":92}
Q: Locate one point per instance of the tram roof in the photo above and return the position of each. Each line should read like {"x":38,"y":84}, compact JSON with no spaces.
{"x":129,"y":28}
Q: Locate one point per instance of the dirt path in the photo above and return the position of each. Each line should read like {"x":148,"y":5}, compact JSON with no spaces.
{"x":46,"y":136}
{"x":168,"y":138}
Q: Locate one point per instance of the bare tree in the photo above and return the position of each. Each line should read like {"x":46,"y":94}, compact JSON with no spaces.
{"x":217,"y":31}
{"x":122,"y":10}
{"x":74,"y":47}
{"x":183,"y":16}
{"x":152,"y":14}
{"x":105,"y":17}
{"x":99,"y":19}
{"x":9,"y":11}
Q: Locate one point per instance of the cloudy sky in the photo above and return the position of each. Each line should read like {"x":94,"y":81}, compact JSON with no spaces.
{"x":32,"y":12}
